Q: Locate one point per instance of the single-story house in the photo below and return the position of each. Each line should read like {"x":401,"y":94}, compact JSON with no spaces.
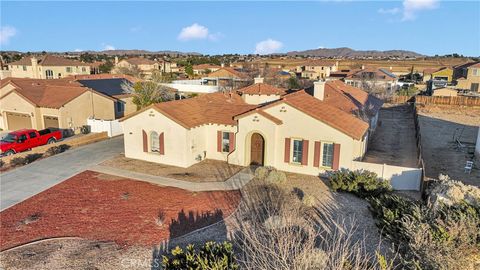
{"x":60,"y":103}
{"x":306,"y":131}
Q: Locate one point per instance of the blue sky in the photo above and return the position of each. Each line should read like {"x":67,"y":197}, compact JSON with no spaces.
{"x":425,"y":26}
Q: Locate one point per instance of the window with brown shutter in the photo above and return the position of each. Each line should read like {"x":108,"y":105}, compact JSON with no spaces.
{"x":145,"y":141}
{"x":219,"y":141}
{"x":231,"y":145}
{"x":316,"y":154}
{"x":287,"y":150}
{"x":305,"y":153}
{"x":161,"y":139}
{"x":336,"y":156}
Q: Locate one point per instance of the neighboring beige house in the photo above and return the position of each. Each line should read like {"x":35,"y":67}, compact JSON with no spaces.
{"x":205,"y":69}
{"x":316,"y":69}
{"x":443,"y":73}
{"x":468,"y":76}
{"x":47,"y":67}
{"x":296,"y":132}
{"x":227,"y":78}
{"x":146,"y":66}
{"x":62,"y":103}
{"x":117,"y":86}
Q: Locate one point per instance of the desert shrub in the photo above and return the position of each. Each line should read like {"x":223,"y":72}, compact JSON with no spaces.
{"x":430,"y":236}
{"x":276,"y":177}
{"x":261,"y":173}
{"x":57,"y":149}
{"x":18,"y":161}
{"x":32,"y":157}
{"x":212,"y":256}
{"x":360,"y":182}
{"x":309,"y":200}
{"x":2,"y":163}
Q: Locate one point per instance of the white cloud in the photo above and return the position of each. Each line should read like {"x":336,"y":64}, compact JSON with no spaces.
{"x":411,"y":7}
{"x":107,"y":47}
{"x":268,"y":46}
{"x":194,"y":31}
{"x":78,"y":50}
{"x":6,"y":33}
{"x":389,"y":10}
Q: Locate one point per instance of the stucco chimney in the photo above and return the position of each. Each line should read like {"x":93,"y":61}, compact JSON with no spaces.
{"x":319,"y":89}
{"x":222,"y":65}
{"x":258,"y":80}
{"x":116,"y":60}
{"x":363,"y":67}
{"x":34,"y":62}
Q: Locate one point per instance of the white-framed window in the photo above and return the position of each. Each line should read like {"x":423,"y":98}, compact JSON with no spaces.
{"x":49,"y":74}
{"x":24,"y":68}
{"x":327,"y":155}
{"x":84,"y":69}
{"x":120,"y":107}
{"x":225,"y":142}
{"x":297,"y":151}
{"x":69,"y":69}
{"x":154,"y":142}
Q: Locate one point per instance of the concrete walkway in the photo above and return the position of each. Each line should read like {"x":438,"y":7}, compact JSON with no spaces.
{"x":233,"y":183}
{"x":22,"y":183}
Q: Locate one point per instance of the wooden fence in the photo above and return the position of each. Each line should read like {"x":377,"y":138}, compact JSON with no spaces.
{"x":461,"y":100}
{"x":430,"y":100}
{"x":418,"y":140}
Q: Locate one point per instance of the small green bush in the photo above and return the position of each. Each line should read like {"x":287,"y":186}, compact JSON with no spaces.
{"x":360,"y":182}
{"x":261,"y":173}
{"x":57,"y":149}
{"x":309,"y":200}
{"x":32,"y":157}
{"x":211,"y":256}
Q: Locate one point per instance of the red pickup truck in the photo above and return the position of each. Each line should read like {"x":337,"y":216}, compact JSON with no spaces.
{"x":26,"y":139}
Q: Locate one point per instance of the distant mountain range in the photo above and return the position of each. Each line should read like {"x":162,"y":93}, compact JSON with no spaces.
{"x":137,"y":52}
{"x":350,"y":53}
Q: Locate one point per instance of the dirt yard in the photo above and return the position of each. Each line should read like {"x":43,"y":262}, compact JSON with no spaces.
{"x":108,"y":208}
{"x":205,"y":171}
{"x":393,"y":142}
{"x":439,"y":127}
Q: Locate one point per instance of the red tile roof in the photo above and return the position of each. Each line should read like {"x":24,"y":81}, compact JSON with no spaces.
{"x":215,"y":108}
{"x":48,"y":60}
{"x":206,"y":66}
{"x":46,"y":93}
{"x":102,"y":77}
{"x":233,"y":73}
{"x":262,"y":89}
{"x":140,"y":61}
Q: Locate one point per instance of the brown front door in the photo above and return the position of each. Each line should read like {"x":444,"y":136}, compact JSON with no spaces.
{"x":257,"y":149}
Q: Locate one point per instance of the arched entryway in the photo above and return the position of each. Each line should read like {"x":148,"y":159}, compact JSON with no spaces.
{"x":257,"y":149}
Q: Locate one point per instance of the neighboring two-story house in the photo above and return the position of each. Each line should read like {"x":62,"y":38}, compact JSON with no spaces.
{"x":468,"y":76}
{"x":316,"y":69}
{"x":309,"y":132}
{"x":373,"y":80}
{"x":443,"y":74}
{"x":47,"y":67}
{"x":145,"y":66}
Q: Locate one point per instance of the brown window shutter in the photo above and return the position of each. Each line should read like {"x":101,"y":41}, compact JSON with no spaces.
{"x":219,"y":141}
{"x":316,"y":154}
{"x":287,"y":150}
{"x":161,"y":139}
{"x":145,"y":141}
{"x":305,"y":153}
{"x":336,"y":156}
{"x":231,"y":138}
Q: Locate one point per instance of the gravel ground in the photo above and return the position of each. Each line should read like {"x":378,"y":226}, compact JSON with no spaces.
{"x":205,"y":171}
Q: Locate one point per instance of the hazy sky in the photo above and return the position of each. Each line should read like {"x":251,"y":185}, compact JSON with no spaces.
{"x":425,"y":26}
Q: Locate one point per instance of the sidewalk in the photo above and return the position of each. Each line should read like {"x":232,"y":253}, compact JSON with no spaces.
{"x":233,"y":183}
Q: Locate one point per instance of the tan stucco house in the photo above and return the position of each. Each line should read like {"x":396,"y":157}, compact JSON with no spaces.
{"x":306,"y":131}
{"x":47,"y":67}
{"x":373,"y":79}
{"x":468,"y":76}
{"x":61,"y":103}
{"x":443,"y":73}
{"x":316,"y":69}
{"x":146,"y":66}
{"x":203,"y":69}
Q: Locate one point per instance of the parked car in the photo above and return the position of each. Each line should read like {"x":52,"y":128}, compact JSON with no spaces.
{"x":26,"y":139}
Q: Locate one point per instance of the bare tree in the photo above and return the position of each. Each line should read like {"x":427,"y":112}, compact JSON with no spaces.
{"x":146,"y":93}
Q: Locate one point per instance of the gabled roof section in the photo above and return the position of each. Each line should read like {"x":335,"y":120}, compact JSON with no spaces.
{"x":47,"y":93}
{"x":343,"y":121}
{"x":350,"y":99}
{"x":215,"y":108}
{"x":262,"y":89}
{"x":48,"y":60}
{"x":228,"y":70}
{"x":140,"y":61}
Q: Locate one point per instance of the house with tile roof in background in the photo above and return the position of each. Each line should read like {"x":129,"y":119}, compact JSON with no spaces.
{"x":373,"y":80}
{"x":304,"y":131}
{"x":56,"y":103}
{"x":204,"y":69}
{"x":316,"y":69}
{"x":146,"y":66}
{"x":47,"y":67}
{"x":443,"y":73}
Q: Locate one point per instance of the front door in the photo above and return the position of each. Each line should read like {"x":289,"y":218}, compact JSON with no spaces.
{"x":257,"y":149}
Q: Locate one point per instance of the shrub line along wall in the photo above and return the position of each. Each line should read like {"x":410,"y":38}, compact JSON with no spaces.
{"x":74,"y":142}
